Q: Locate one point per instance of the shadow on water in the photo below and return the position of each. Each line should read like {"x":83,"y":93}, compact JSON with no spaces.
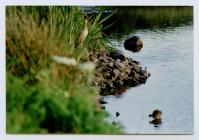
{"x":132,"y":18}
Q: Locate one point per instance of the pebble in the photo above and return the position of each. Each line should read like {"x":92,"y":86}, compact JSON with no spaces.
{"x":116,"y":72}
{"x":117,"y":114}
{"x":101,"y":101}
{"x":103,"y":107}
{"x":119,"y":65}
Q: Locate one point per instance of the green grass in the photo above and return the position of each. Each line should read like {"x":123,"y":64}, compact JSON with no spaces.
{"x":43,"y":96}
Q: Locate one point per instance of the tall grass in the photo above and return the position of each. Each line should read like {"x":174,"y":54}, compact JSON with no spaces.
{"x":44,"y":96}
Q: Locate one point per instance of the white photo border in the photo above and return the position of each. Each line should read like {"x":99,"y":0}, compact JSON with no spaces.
{"x":3,"y":3}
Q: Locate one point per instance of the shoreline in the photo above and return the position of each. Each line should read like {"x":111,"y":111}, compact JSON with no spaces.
{"x":115,"y":72}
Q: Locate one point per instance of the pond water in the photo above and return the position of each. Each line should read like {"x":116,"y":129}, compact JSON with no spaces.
{"x":168,"y":56}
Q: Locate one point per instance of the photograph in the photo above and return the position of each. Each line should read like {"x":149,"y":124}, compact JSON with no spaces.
{"x":108,"y":70}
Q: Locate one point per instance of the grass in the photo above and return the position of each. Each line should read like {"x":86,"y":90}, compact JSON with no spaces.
{"x":42,"y":94}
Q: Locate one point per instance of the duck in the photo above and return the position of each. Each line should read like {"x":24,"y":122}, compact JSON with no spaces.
{"x":156,"y":114}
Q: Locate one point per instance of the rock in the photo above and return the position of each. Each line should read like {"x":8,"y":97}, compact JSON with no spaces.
{"x":110,"y":83}
{"x":103,"y":107}
{"x":107,"y":75}
{"x":109,"y":59}
{"x":119,"y":65}
{"x":137,"y":69}
{"x":114,"y":123}
{"x":110,"y":64}
{"x":117,"y":114}
{"x":135,"y":62}
{"x":101,"y":59}
{"x":142,"y":79}
{"x":127,"y":71}
{"x":93,"y":58}
{"x":132,"y":62}
{"x":134,"y":82}
{"x":117,"y":55}
{"x":122,"y":89}
{"x":116,"y":72}
{"x":133,"y":44}
{"x":116,"y":84}
{"x":145,"y":73}
{"x":101,"y":101}
{"x":105,"y":59}
{"x":125,"y":63}
{"x":94,"y":82}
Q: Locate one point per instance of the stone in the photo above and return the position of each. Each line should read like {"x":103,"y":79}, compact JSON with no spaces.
{"x":116,"y":84}
{"x":137,"y":68}
{"x":133,"y":44}
{"x":132,"y":62}
{"x":103,"y":107}
{"x":101,"y":101}
{"x":116,"y":72}
{"x":145,"y":73}
{"x":109,"y":59}
{"x":93,"y":58}
{"x":117,"y":114}
{"x":110,"y":64}
{"x":123,"y":77}
{"x":114,"y":123}
{"x":127,"y":71}
{"x":117,"y":55}
{"x":119,"y":65}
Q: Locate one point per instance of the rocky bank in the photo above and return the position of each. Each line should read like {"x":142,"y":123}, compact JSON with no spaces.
{"x":115,"y":72}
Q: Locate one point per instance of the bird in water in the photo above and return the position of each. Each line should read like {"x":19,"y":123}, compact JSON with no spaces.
{"x":156,"y":115}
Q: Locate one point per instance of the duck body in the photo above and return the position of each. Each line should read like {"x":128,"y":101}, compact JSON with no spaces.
{"x":156,"y":114}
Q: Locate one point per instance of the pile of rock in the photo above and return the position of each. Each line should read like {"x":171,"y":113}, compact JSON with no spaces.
{"x":115,"y":72}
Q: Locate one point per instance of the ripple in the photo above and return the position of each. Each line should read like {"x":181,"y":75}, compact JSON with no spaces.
{"x":168,"y":55}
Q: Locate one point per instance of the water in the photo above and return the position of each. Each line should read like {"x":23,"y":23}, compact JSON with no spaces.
{"x":168,"y":55}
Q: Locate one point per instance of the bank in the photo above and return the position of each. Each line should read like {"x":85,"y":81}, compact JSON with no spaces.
{"x":53,"y":81}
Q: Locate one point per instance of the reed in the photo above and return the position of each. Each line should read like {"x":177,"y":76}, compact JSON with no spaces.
{"x":49,"y":88}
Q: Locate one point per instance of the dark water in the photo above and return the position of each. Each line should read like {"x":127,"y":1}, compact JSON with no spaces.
{"x":168,"y":55}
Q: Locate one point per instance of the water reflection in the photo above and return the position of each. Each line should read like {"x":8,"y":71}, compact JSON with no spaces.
{"x":130,"y":19}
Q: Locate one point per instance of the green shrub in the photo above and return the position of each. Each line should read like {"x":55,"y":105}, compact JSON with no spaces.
{"x":54,"y":109}
{"x":42,"y":95}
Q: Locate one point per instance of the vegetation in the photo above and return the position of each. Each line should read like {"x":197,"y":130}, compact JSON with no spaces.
{"x":49,"y":88}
